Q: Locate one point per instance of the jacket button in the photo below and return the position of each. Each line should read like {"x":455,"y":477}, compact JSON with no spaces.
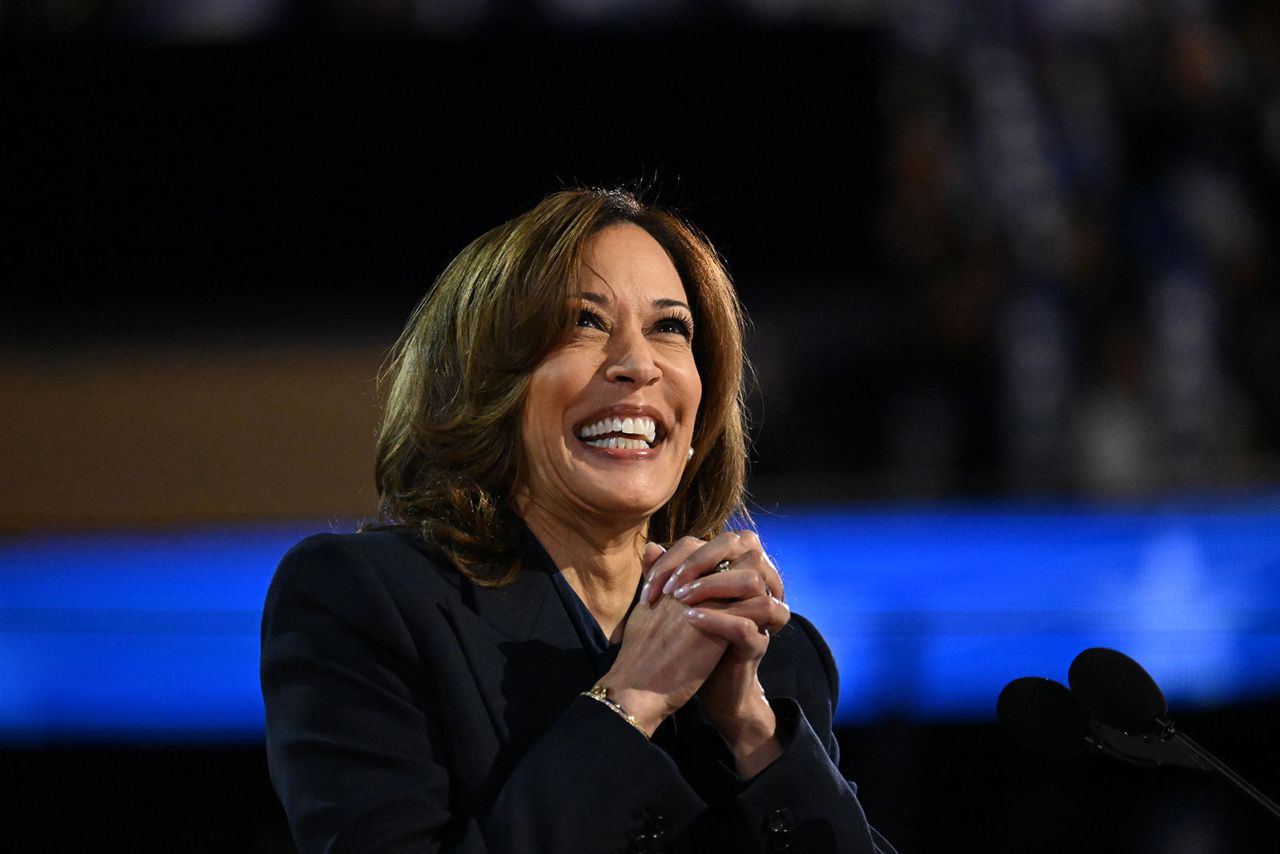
{"x":778,"y":829}
{"x":651,"y":841}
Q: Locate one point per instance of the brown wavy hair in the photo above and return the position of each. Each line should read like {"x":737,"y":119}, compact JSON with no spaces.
{"x":449,"y":452}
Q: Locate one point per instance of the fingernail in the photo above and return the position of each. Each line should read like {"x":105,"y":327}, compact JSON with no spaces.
{"x":684,"y":591}
{"x":671,"y":582}
{"x":644,"y":592}
{"x":694,"y":614}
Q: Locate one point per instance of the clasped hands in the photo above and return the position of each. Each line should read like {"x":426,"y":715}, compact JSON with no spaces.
{"x":701,"y":626}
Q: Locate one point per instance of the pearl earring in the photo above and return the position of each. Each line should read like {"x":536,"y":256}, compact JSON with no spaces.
{"x":691,"y":453}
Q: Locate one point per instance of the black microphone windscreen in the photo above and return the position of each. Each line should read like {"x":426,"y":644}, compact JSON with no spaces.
{"x":1114,"y":688}
{"x":1042,"y":716}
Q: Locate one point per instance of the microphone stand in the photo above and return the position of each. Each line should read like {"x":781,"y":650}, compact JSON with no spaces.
{"x":1206,"y":759}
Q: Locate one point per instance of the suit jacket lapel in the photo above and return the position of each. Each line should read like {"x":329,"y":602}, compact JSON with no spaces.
{"x":524,"y":653}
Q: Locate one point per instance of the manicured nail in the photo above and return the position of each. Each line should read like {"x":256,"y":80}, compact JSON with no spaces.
{"x":671,"y":582}
{"x":644,"y":592}
{"x":684,"y":591}
{"x":694,"y":614}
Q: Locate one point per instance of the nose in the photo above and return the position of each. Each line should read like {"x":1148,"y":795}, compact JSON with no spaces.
{"x":631,"y":360}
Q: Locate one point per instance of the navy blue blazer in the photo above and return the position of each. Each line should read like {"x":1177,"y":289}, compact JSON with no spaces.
{"x":409,"y":710}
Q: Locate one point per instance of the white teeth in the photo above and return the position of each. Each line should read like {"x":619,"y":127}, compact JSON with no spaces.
{"x":632,"y":426}
{"x":619,"y":443}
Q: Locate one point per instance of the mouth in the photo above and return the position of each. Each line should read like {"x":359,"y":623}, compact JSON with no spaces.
{"x":629,"y":431}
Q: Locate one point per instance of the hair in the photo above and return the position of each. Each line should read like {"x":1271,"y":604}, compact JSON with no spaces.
{"x":449,"y":452}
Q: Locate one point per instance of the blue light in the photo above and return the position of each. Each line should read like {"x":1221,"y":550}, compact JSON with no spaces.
{"x":153,"y":637}
{"x":134,"y":636}
{"x":929,"y":614}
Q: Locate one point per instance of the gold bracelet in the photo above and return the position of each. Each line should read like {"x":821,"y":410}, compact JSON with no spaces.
{"x":601,"y":693}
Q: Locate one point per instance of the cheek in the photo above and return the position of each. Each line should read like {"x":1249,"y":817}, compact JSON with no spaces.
{"x":691,"y":387}
{"x":552,"y":389}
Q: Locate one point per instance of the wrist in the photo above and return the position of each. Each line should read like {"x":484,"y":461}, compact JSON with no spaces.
{"x":752,"y":738}
{"x":646,"y":709}
{"x":752,"y":722}
{"x":601,"y":694}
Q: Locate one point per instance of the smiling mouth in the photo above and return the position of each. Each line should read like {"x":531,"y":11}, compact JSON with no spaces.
{"x":632,"y":433}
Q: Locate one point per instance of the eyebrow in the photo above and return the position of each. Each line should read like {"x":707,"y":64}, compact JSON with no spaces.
{"x":601,"y":299}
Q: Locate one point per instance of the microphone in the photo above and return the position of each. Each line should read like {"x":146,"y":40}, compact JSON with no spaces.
{"x":1115,"y":689}
{"x":1113,"y":707}
{"x":1042,"y":716}
{"x":1045,"y":717}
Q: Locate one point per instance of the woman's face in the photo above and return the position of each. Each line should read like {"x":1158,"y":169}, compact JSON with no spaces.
{"x":609,"y":416}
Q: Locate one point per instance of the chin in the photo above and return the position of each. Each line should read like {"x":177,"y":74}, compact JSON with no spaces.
{"x":636,"y":505}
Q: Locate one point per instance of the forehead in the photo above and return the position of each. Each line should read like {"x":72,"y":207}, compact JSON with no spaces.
{"x":624,"y":261}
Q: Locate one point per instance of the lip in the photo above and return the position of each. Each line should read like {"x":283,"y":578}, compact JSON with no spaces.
{"x":624,"y":411}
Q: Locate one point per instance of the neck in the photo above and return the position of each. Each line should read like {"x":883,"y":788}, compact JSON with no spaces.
{"x":601,"y":564}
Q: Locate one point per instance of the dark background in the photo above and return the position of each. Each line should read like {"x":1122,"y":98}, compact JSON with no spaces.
{"x":956,"y":293}
{"x":245,"y":188}
{"x":965,"y":291}
{"x":927,"y":787}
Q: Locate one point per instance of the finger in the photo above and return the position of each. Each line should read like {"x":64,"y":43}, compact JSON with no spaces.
{"x":666,"y":564}
{"x":772,"y":578}
{"x":742,"y":549}
{"x":731,"y":584}
{"x":652,"y":551}
{"x":741,"y":633}
{"x":768,"y":614}
{"x":755,"y":557}
{"x":726,"y":546}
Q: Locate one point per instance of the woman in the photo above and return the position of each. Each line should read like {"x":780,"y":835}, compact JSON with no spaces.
{"x":512,"y":661}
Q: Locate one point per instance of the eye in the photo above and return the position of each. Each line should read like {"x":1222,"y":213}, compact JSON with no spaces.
{"x":590,"y":319}
{"x":675,"y":324}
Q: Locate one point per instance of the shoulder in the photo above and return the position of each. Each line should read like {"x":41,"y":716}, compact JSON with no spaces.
{"x":371,"y":568}
{"x":799,"y":664}
{"x":800,"y":646}
{"x":381,"y":545}
{"x":382,"y":552}
{"x":819,"y":649}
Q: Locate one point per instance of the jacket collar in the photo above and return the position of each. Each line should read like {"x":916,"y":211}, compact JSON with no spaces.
{"x":529,"y":606}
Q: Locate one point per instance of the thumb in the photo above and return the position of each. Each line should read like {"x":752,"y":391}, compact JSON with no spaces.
{"x":652,"y":551}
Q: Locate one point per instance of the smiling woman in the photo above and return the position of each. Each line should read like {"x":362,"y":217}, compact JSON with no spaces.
{"x":554,"y":639}
{"x":449,"y":451}
{"x":627,"y":376}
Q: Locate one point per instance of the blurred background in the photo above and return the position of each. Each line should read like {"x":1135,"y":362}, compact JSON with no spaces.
{"x":1011,"y":268}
